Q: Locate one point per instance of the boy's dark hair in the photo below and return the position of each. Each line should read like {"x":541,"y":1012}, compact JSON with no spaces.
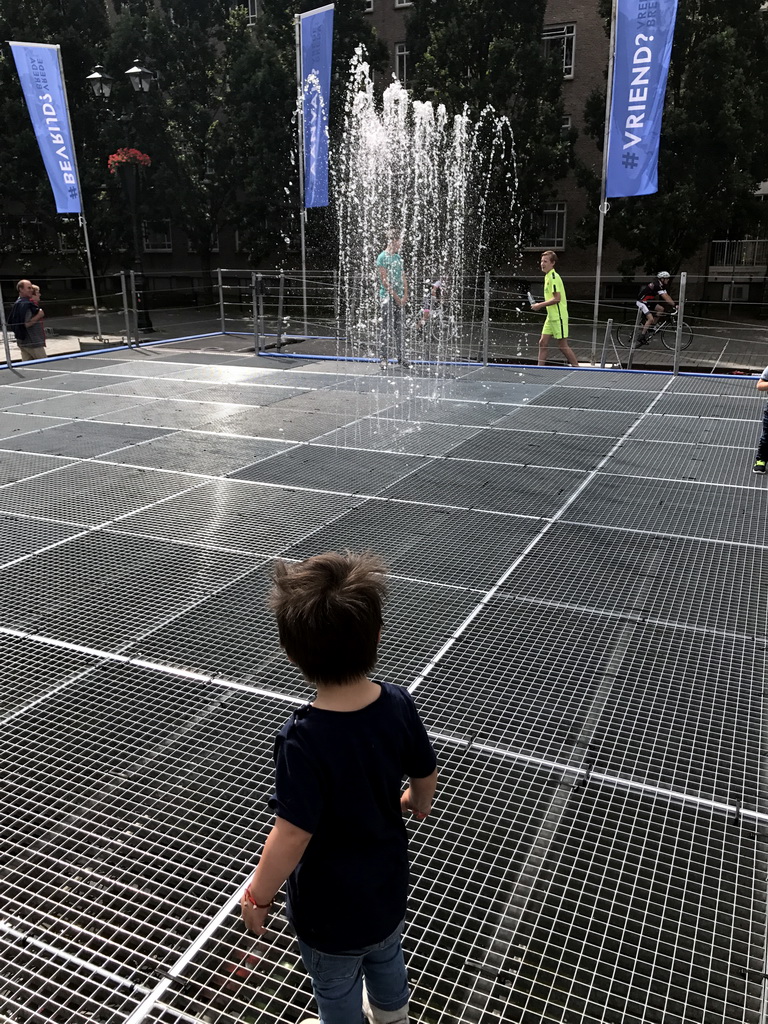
{"x":328,"y":611}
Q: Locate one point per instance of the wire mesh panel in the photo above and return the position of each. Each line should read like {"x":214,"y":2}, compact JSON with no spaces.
{"x":19,"y":466}
{"x":679,"y":461}
{"x":569,"y":397}
{"x":83,"y":440}
{"x":529,"y":447}
{"x":568,"y":421}
{"x":729,"y":407}
{"x":197,"y":452}
{"x":699,"y":430}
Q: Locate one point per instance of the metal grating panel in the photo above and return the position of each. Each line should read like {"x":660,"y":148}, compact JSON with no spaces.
{"x":666,"y":506}
{"x":151,"y":387}
{"x":492,"y":488}
{"x":240,"y":515}
{"x":12,"y":396}
{"x":569,"y":421}
{"x":29,"y":671}
{"x":72,"y":381}
{"x":277,"y":421}
{"x":350,"y":470}
{"x":263,"y":393}
{"x":528,"y":447}
{"x":142,"y":584}
{"x":174,"y":414}
{"x":596,"y":398}
{"x":683,"y":429}
{"x":701,"y":385}
{"x":428,"y":410}
{"x":427,"y":542}
{"x":492,"y":391}
{"x":197,"y":452}
{"x":83,"y":439}
{"x":728,"y":407}
{"x":677,"y":461}
{"x":21,"y":536}
{"x":394,"y":435}
{"x":19,"y":466}
{"x":616,"y":381}
{"x":641,"y":911}
{"x":83,"y":405}
{"x":14,"y":423}
{"x":90,"y":493}
{"x":693,"y":583}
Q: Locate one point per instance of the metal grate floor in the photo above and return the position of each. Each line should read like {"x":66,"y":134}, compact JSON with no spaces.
{"x":579,"y":606}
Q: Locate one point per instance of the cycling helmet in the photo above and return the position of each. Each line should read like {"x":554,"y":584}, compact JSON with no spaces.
{"x":664,"y":273}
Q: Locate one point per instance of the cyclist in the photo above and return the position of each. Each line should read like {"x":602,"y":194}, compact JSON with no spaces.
{"x":653,"y":301}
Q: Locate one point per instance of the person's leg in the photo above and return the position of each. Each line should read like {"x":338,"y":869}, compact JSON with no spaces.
{"x":399,"y":332}
{"x":32,"y":351}
{"x":567,"y":351}
{"x":386,"y":982}
{"x":337,"y":982}
{"x":385,"y":330}
{"x":543,"y":343}
{"x":762,"y":447}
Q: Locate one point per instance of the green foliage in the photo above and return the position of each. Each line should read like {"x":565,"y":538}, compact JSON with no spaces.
{"x":483,"y":52}
{"x":714,"y":140}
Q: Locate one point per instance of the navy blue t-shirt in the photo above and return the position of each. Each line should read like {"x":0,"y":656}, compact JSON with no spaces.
{"x":338,"y":775}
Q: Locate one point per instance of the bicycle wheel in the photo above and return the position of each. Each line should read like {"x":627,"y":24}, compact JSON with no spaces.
{"x":669,"y":331}
{"x":623,"y":334}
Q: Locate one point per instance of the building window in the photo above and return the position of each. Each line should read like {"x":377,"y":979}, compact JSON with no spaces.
{"x":368,"y":6}
{"x":253,"y":11}
{"x":559,"y":43}
{"x":191,"y":247}
{"x":403,"y":3}
{"x":401,"y":62}
{"x":551,"y":224}
{"x":565,"y":124}
{"x":157,"y":236}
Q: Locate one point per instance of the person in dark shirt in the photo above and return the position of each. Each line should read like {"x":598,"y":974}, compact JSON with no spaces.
{"x":27,"y":312}
{"x":653,"y":300}
{"x":339,"y":839}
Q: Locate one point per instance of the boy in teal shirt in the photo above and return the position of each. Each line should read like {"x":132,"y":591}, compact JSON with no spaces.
{"x":556,"y":324}
{"x":393,"y":298}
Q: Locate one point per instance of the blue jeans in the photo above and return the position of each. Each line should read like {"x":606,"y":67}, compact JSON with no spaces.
{"x":337,"y":979}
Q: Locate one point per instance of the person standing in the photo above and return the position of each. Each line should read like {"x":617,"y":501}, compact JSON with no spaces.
{"x":555,"y":303}
{"x":393,"y":298}
{"x":339,"y":838}
{"x":762,"y":447}
{"x":26,"y":321}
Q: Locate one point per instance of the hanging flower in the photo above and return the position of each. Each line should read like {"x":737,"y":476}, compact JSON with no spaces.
{"x":127,"y":156}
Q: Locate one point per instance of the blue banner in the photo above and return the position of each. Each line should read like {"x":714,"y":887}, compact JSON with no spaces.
{"x":644,"y":30}
{"x":39,"y":70}
{"x":316,"y":50}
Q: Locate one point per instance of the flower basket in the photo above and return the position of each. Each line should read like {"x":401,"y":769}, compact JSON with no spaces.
{"x":125,"y":158}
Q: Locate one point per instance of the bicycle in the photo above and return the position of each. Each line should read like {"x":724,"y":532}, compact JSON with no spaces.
{"x":665,"y":327}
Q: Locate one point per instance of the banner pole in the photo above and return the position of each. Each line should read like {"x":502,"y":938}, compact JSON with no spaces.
{"x":604,"y":206}
{"x":83,"y":223}
{"x":4,"y":326}
{"x":300,"y":123}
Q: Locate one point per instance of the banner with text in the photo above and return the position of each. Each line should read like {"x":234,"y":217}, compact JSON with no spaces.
{"x":316,"y":51}
{"x":644,"y":31}
{"x":39,"y":68}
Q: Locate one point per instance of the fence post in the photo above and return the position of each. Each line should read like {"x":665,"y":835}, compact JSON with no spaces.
{"x":679,"y":327}
{"x":221,"y":301}
{"x":255,"y":315}
{"x":135,"y":307}
{"x":608,"y":329}
{"x":126,"y":311}
{"x":280,"y":302}
{"x":260,"y":301}
{"x":486,"y":315}
{"x":635,"y":330}
{"x":337,"y":329}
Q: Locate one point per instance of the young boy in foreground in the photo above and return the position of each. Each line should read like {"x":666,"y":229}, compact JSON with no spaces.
{"x":339,"y":838}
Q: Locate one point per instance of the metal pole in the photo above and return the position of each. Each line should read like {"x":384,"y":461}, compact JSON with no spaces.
{"x":4,"y":326}
{"x":124,"y":288}
{"x":221,"y":302}
{"x":280,"y":301}
{"x":300,"y":124}
{"x":606,"y":338}
{"x":84,"y":226}
{"x":135,"y":307}
{"x":679,"y":330}
{"x":260,"y":300}
{"x":337,"y":327}
{"x":604,"y":205}
{"x":632,"y":340}
{"x":255,"y":314}
{"x":486,"y":315}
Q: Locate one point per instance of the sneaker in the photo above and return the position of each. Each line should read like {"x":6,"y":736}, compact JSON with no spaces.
{"x":405,"y":364}
{"x":310,"y":1020}
{"x":759,"y":466}
{"x":641,"y":341}
{"x":384,"y":365}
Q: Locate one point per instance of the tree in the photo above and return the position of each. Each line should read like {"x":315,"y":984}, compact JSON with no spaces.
{"x":481,"y":52}
{"x":714,"y":140}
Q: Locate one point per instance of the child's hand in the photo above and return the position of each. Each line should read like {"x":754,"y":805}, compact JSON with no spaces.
{"x":409,"y":805}
{"x":254,"y":918}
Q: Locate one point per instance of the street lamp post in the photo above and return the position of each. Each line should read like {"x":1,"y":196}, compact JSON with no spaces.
{"x":101,"y":83}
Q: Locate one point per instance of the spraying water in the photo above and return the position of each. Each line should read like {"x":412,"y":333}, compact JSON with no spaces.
{"x":408,"y":167}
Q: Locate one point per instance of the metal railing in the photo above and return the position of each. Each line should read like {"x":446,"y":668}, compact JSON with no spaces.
{"x":739,"y":252}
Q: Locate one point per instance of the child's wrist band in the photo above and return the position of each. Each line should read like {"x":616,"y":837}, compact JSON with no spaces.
{"x":252,"y":901}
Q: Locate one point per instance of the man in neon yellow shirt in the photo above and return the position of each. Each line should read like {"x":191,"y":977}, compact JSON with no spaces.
{"x":556,"y":324}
